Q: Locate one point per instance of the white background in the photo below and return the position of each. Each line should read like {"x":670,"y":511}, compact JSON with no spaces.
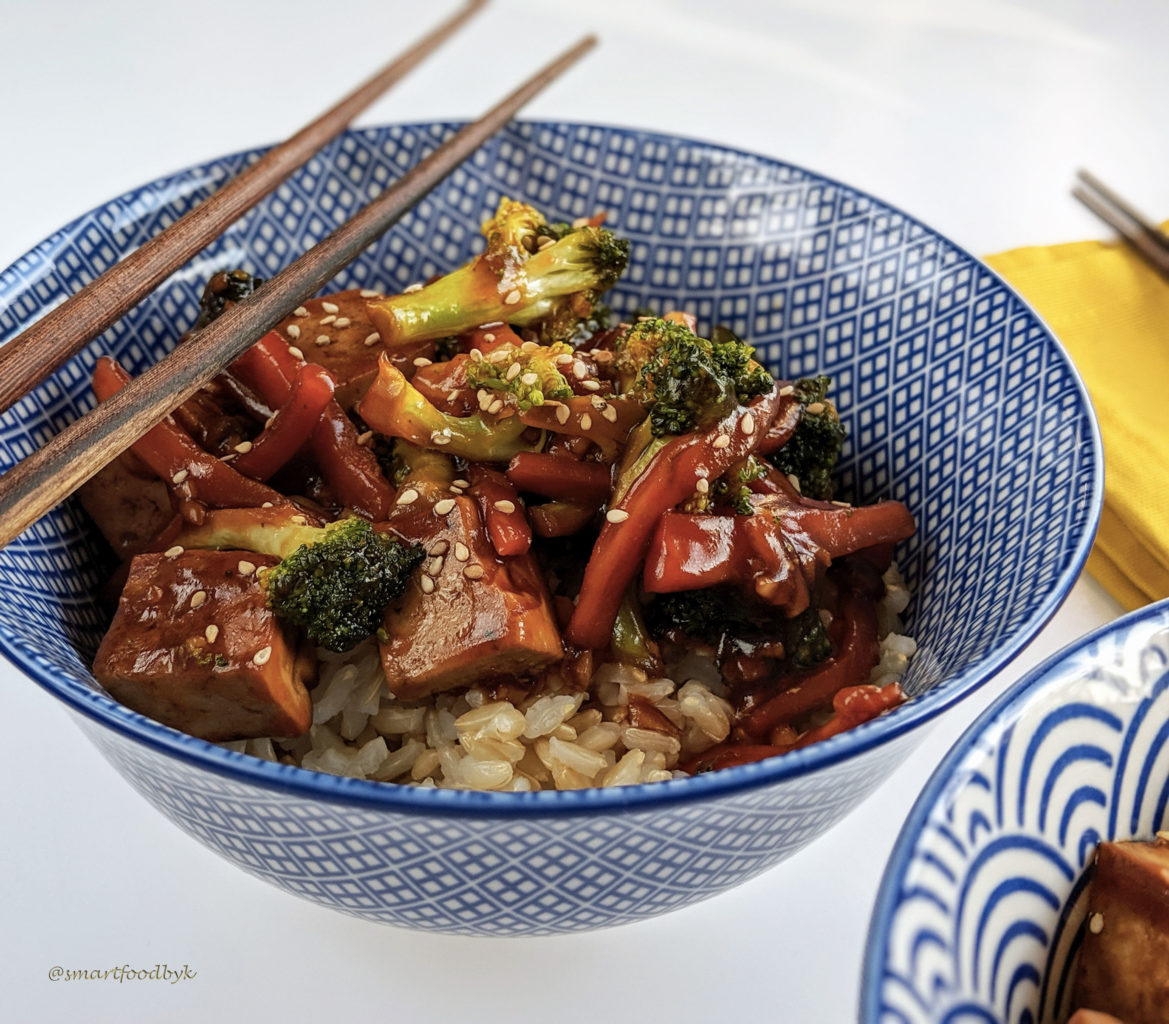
{"x":971,"y":115}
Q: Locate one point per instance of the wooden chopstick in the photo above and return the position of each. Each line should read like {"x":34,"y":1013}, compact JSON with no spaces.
{"x":31,"y":356}
{"x":1132,"y":225}
{"x":30,"y":489}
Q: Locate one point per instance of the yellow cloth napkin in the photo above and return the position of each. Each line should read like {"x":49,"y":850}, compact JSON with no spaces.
{"x":1111,"y":311}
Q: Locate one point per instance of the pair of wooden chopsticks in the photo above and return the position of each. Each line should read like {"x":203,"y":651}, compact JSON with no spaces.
{"x":1132,"y":225}
{"x":49,"y":475}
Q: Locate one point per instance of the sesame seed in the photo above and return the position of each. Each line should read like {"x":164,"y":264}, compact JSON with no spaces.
{"x":245,"y":567}
{"x":500,"y":355}
{"x":342,"y":321}
{"x":243,"y":447}
{"x":1096,"y":923}
{"x":441,"y":508}
{"x":747,"y":423}
{"x":842,"y":504}
{"x":460,"y":483}
{"x":562,"y":414}
{"x":591,"y":385}
{"x":440,"y":438}
{"x":407,"y":497}
{"x":513,"y":297}
{"x":721,"y":441}
{"x":616,"y":515}
{"x":794,"y":481}
{"x":440,"y":547}
{"x":427,"y":584}
{"x":267,"y":504}
{"x":372,"y":339}
{"x":476,"y":355}
{"x":513,"y":371}
{"x":173,"y":552}
{"x":702,"y":486}
{"x":461,"y":552}
{"x":299,"y":520}
{"x":586,"y":421}
{"x":485,"y":399}
{"x":180,"y":476}
{"x":529,"y":346}
{"x":211,"y":633}
{"x":610,"y":413}
{"x":295,"y":352}
{"x":528,"y":379}
{"x":364,"y":439}
{"x":565,"y":358}
{"x":434,"y":565}
{"x":816,"y":408}
{"x":262,"y":655}
{"x":580,"y":222}
{"x":368,"y":293}
{"x":495,"y":406}
{"x":544,"y":242}
{"x":503,"y":505}
{"x":411,"y":288}
{"x":489,"y":337}
{"x":327,"y":320}
{"x":300,"y":311}
{"x":599,"y":403}
{"x":292,"y":331}
{"x":786,"y":390}
{"x":473,"y":572}
{"x":330,"y":307}
{"x":198,"y":598}
{"x":421,"y":361}
{"x":267,"y":423}
{"x":579,"y":370}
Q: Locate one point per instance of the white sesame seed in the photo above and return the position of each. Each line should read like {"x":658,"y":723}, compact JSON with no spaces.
{"x":503,"y":505}
{"x":365,"y":438}
{"x":485,"y":399}
{"x":794,"y":481}
{"x":473,"y":572}
{"x":476,"y":355}
{"x":407,"y":497}
{"x":342,"y":321}
{"x":586,"y":421}
{"x":610,"y":413}
{"x":500,"y":355}
{"x":460,"y":483}
{"x":529,"y":346}
{"x":198,"y":598}
{"x":580,"y":222}
{"x":565,"y":358}
{"x":461,"y":551}
{"x":267,"y":504}
{"x":295,"y":352}
{"x":245,"y":567}
{"x":372,"y":339}
{"x":562,"y":414}
{"x":427,"y":584}
{"x":786,"y":390}
{"x":300,"y":311}
{"x":579,"y":370}
{"x":173,"y":552}
{"x":323,"y":339}
{"x":598,"y":403}
{"x":292,"y":331}
{"x":1096,"y":923}
{"x":441,"y":508}
{"x":243,"y":447}
{"x":495,"y":406}
{"x":369,"y":293}
{"x":513,"y":371}
{"x":721,"y":441}
{"x":421,"y":361}
{"x":330,"y":307}
{"x":513,"y":297}
{"x":616,"y":515}
{"x":842,"y":504}
{"x":299,"y":520}
{"x":440,"y":547}
{"x":325,"y":320}
{"x":262,"y":655}
{"x":411,"y":288}
{"x":747,"y":423}
{"x":211,"y":633}
{"x":528,"y":379}
{"x":440,"y":438}
{"x":702,"y":486}
{"x":816,"y":408}
{"x":591,"y":385}
{"x":434,"y":565}
{"x":180,"y":476}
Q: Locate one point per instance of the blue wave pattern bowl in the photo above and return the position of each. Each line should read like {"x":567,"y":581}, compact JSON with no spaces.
{"x":956,"y":398}
{"x":980,"y":912}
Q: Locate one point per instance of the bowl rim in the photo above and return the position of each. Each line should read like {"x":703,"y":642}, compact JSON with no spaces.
{"x":305,"y":783}
{"x":1007,"y":709}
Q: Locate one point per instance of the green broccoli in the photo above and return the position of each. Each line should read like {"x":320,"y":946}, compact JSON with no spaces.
{"x":222,"y":288}
{"x":686,"y":381}
{"x":336,"y":589}
{"x":811,"y":452}
{"x":529,"y":372}
{"x":527,"y":276}
{"x":806,"y":641}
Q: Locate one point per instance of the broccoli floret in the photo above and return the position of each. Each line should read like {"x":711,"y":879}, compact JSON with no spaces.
{"x":336,"y":589}
{"x":529,"y":372}
{"x":733,"y":486}
{"x":811,"y":452}
{"x":527,"y":276}
{"x":687,"y":381}
{"x":807,"y":640}
{"x":222,"y":288}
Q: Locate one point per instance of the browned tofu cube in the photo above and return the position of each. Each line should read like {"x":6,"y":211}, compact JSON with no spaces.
{"x":1124,"y":962}
{"x":128,"y":503}
{"x":195,"y":646}
{"x":467,"y":614}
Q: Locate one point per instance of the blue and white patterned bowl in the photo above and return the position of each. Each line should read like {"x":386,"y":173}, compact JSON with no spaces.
{"x":957,"y":400}
{"x":979,"y":914}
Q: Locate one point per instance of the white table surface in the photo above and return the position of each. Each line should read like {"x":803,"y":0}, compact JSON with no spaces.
{"x":971,"y":115}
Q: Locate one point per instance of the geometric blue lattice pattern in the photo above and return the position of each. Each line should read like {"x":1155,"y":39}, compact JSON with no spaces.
{"x":956,"y":398}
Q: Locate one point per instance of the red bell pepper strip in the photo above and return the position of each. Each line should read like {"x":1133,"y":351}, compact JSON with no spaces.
{"x":585,"y":419}
{"x":500,"y":508}
{"x":787,"y":418}
{"x":291,"y":426}
{"x":170,"y":451}
{"x":269,"y":368}
{"x":561,"y":518}
{"x":852,"y":705}
{"x":561,"y":476}
{"x":855,"y":656}
{"x":668,"y":480}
